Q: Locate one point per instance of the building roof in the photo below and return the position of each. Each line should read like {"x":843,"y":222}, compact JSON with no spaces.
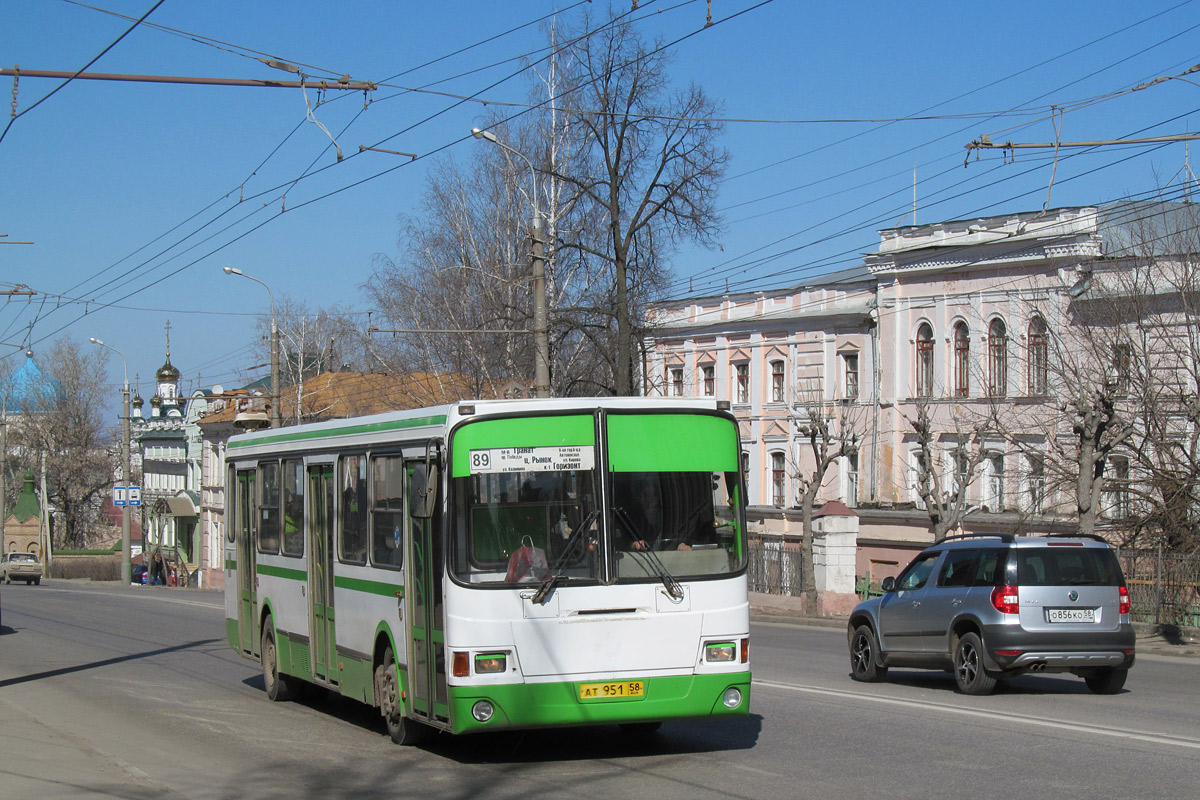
{"x":337,"y":395}
{"x":27,"y":506}
{"x":25,"y":390}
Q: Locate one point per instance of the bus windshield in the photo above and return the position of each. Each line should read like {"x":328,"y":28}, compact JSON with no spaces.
{"x":528,"y":506}
{"x":683,"y":524}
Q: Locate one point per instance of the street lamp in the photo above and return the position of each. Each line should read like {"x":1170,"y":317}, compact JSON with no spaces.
{"x":126,"y":572}
{"x":541,"y":334}
{"x":276,"y":410}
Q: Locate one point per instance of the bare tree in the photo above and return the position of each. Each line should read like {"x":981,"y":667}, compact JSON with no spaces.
{"x":644,"y":168}
{"x":1137,"y":327}
{"x":943,"y":491}
{"x":61,"y":423}
{"x":311,"y":341}
{"x":827,"y":432}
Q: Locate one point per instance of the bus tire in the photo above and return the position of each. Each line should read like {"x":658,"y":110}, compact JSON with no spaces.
{"x":279,"y":686}
{"x":403,"y":730}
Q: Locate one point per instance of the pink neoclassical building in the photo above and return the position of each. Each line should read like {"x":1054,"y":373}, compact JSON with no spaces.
{"x":954,"y":316}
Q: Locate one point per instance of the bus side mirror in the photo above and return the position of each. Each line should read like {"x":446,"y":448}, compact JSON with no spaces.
{"x":422,"y":491}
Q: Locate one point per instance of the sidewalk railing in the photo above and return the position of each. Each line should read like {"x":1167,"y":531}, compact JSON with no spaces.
{"x":776,"y":567}
{"x":1164,"y":587}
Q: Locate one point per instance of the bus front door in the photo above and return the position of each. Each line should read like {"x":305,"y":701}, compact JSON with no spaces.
{"x":320,"y":571}
{"x":427,"y":637}
{"x":246,"y":522}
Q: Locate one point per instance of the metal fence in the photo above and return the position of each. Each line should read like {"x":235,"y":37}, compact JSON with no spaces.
{"x":1163,"y":587}
{"x":776,"y":567}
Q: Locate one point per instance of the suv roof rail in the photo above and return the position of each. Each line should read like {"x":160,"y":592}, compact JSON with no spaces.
{"x":1094,"y":536}
{"x":1004,"y":537}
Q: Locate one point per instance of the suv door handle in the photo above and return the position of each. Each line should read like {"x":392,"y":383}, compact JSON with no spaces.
{"x":956,"y":602}
{"x":916,"y":603}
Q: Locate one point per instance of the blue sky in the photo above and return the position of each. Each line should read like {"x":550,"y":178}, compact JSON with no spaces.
{"x":136,"y":195}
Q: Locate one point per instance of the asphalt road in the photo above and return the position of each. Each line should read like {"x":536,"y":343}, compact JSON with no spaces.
{"x":108,"y":691}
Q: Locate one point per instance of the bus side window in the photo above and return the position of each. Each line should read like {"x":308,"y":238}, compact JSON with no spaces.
{"x":354,"y":509}
{"x":293,"y":508}
{"x":268,"y":507}
{"x":387,"y":511}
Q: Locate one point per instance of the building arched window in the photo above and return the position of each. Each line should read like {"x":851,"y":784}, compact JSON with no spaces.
{"x":997,"y":358}
{"x":924,"y":360}
{"x":962,"y":360}
{"x":1039,"y":363}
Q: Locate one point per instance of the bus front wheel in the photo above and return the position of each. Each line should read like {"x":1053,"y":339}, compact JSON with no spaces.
{"x":278,"y":685}
{"x":404,"y":731}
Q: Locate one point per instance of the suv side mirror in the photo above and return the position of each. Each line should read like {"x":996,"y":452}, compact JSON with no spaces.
{"x":888,"y":584}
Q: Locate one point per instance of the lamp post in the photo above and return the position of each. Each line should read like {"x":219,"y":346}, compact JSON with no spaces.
{"x":126,"y":572}
{"x":276,"y":411}
{"x":541,"y":335}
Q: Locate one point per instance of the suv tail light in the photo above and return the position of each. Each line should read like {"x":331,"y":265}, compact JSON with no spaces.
{"x":1005,"y":599}
{"x":1125,"y":604}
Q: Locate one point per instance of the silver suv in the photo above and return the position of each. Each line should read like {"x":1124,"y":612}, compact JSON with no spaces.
{"x":990,"y":607}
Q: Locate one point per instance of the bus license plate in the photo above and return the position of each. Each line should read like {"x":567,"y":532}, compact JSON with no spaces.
{"x":612,"y":691}
{"x":1070,"y":615}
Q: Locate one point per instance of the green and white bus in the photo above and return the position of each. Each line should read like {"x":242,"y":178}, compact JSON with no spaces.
{"x":497,"y":564}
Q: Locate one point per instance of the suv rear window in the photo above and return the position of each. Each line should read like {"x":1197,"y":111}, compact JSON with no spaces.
{"x":1067,"y":566}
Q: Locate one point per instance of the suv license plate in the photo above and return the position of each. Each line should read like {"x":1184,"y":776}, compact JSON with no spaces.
{"x":1070,"y":615}
{"x":612,"y":691}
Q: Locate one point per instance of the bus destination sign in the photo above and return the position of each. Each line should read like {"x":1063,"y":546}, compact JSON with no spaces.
{"x":532,"y":459}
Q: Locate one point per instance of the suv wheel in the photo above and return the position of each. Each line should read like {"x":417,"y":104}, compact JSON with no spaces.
{"x":1107,"y":680}
{"x":863,"y":666}
{"x":969,"y":672}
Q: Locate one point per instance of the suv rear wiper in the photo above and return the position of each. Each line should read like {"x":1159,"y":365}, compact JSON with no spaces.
{"x":543,"y":592}
{"x":650,"y":557}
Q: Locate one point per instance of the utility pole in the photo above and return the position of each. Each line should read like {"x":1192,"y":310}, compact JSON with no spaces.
{"x":541,"y":334}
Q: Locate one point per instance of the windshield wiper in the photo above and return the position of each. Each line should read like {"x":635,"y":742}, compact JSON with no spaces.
{"x":650,"y":557}
{"x":543,"y":592}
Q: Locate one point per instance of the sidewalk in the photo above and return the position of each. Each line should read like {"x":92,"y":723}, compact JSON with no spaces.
{"x":1151,"y":638}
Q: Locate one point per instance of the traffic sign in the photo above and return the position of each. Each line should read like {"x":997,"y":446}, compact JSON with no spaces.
{"x":135,"y":495}
{"x":120,"y":495}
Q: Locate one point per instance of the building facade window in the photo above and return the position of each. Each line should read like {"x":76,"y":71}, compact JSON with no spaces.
{"x":1039,"y":363}
{"x":850,"y":375}
{"x":924,"y":360}
{"x":709,"y":378}
{"x":778,"y":480}
{"x":1122,"y":367}
{"x":1035,"y":484}
{"x":1116,"y":489}
{"x":777,"y":394}
{"x":962,"y":360}
{"x":993,"y":498}
{"x":852,"y":480}
{"x":997,"y":358}
{"x":675,"y":381}
{"x":742,"y":383}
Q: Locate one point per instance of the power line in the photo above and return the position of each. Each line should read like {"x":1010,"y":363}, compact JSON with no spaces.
{"x":54,"y":91}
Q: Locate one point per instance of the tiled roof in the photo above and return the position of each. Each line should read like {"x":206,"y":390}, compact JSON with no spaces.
{"x":337,"y":395}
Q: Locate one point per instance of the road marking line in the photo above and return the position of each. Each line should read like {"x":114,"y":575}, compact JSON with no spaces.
{"x":1145,"y":736}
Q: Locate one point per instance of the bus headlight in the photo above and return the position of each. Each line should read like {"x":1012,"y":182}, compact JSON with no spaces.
{"x":732,"y":697}
{"x":482,"y":711}
{"x":720,"y":652}
{"x":490,"y":663}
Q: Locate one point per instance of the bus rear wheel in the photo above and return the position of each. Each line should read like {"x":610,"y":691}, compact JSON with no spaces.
{"x":404,"y":731}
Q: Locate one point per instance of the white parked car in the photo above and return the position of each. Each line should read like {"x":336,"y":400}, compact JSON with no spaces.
{"x":20,"y":567}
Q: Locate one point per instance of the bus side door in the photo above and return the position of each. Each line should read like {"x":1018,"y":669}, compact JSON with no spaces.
{"x":425,"y":569}
{"x":246,"y":535}
{"x":320,"y":570}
